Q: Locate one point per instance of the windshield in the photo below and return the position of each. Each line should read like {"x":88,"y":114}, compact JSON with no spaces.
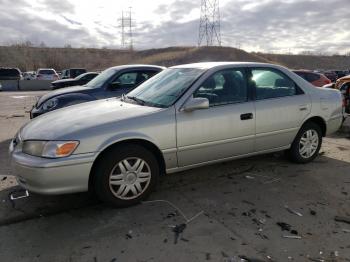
{"x":165,"y":88}
{"x":99,"y":80}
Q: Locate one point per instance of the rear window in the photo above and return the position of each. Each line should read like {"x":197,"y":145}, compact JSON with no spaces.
{"x":78,"y":71}
{"x":46,"y":72}
{"x":9,"y":72}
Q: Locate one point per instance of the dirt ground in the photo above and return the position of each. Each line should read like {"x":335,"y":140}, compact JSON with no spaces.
{"x":262,"y":209}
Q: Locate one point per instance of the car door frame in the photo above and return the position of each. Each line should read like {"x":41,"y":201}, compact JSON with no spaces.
{"x":188,"y":94}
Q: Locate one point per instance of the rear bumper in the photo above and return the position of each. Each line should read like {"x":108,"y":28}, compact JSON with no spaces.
{"x":52,"y":176}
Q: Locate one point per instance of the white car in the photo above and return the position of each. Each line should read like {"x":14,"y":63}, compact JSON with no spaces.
{"x":47,"y":74}
{"x":184,"y":117}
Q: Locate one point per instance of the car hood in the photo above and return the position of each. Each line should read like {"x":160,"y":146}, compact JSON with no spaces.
{"x":82,"y":120}
{"x":58,"y":92}
{"x":63,"y":81}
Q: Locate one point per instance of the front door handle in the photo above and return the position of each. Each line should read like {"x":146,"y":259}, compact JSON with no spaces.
{"x":246,"y":116}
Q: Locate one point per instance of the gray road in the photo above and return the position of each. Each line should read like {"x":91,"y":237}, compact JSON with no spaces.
{"x":238,"y":204}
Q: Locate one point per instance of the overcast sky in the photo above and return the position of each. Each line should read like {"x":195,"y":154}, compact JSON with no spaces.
{"x":254,"y":25}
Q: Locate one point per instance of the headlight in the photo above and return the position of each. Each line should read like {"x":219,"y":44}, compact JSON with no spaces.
{"x":49,"y":149}
{"x":49,"y":104}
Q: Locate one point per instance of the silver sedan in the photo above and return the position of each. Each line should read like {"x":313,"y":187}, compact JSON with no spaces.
{"x":186,"y":116}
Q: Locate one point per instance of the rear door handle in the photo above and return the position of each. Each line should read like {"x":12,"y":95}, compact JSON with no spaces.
{"x":247,"y":116}
{"x":303,"y":107}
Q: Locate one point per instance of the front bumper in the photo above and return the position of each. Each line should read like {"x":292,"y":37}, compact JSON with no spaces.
{"x":52,"y":176}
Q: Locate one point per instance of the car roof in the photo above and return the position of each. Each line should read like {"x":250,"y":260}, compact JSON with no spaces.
{"x":136,"y":66}
{"x":209,"y":65}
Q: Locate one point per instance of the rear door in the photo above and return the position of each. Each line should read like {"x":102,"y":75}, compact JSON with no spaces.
{"x":281,"y":106}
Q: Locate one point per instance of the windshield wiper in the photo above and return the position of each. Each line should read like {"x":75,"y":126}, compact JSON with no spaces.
{"x":137,"y":100}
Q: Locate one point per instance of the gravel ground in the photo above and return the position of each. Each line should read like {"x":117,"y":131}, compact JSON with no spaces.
{"x":238,"y":210}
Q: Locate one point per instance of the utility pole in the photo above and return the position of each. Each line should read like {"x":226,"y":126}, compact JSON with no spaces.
{"x":209,"y":26}
{"x":127,"y":26}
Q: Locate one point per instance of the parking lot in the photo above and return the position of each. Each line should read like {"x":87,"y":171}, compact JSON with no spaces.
{"x":262,"y":209}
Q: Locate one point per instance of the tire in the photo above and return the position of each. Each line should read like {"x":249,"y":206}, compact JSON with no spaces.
{"x":310,"y":133}
{"x":135,"y":172}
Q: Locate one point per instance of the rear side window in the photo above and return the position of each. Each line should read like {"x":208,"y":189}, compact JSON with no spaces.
{"x":46,"y":72}
{"x":312,"y":77}
{"x":271,"y":83}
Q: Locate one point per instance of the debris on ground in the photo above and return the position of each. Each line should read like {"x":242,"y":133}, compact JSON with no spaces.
{"x":342,"y":219}
{"x":312,"y":212}
{"x":292,"y":237}
{"x":128,"y":235}
{"x":292,"y":211}
{"x":178,"y":230}
{"x":249,"y":177}
{"x":346,"y":230}
{"x":284,"y":226}
{"x":4,"y":178}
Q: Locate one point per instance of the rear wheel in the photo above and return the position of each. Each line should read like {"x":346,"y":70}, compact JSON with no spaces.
{"x":125,"y":175}
{"x":306,"y":144}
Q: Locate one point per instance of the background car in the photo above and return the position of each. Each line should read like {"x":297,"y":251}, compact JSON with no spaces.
{"x":29,"y":75}
{"x":10,"y":74}
{"x":79,"y":80}
{"x":345,"y":90}
{"x":72,"y":72}
{"x":186,"y":116}
{"x":331,"y":76}
{"x":341,"y":81}
{"x":341,"y":73}
{"x":314,"y":78}
{"x":112,"y":82}
{"x":46,"y":74}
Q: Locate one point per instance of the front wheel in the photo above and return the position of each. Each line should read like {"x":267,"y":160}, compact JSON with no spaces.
{"x":306,"y":144}
{"x":125,"y":175}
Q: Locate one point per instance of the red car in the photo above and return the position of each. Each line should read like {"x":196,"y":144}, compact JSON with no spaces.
{"x":314,"y":78}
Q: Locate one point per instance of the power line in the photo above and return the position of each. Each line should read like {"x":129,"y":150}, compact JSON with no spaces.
{"x":209,"y":25}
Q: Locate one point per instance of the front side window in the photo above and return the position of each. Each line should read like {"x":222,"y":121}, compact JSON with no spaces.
{"x":271,"y":83}
{"x":224,"y":87}
{"x":165,"y":88}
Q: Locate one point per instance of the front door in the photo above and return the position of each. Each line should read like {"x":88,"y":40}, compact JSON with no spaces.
{"x":225,"y":129}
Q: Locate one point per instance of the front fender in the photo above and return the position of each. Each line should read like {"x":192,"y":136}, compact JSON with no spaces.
{"x":124,"y":137}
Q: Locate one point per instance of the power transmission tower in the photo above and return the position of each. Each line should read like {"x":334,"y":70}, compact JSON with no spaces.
{"x":209,"y":25}
{"x":127,"y":26}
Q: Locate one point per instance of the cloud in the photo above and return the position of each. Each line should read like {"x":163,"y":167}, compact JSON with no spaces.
{"x":58,"y":6}
{"x":265,"y":25}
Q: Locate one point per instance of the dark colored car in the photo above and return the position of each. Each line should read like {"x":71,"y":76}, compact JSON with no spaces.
{"x":112,"y":82}
{"x":341,"y":73}
{"x":345,"y":90}
{"x":314,"y":78}
{"x":331,"y":76}
{"x":10,"y":74}
{"x":79,"y":80}
{"x":72,"y":72}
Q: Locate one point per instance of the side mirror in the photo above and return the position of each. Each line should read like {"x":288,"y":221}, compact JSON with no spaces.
{"x":196,"y":103}
{"x":114,"y":85}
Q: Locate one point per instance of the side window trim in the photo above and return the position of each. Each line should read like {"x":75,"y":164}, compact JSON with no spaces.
{"x":298,"y":90}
